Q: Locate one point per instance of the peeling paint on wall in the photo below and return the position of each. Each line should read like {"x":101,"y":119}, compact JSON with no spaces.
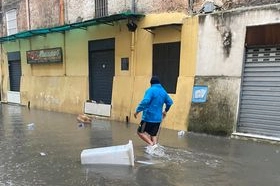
{"x":222,"y":5}
{"x":222,"y":25}
{"x":171,"y":6}
{"x":44,"y":13}
{"x":79,"y":9}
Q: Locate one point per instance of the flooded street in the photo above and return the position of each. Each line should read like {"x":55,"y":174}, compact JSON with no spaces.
{"x":43,"y":148}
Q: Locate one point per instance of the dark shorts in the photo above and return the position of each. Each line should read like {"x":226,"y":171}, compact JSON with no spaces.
{"x":149,"y":127}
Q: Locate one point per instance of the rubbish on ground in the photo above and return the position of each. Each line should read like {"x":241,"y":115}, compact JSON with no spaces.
{"x":31,"y":126}
{"x":145,"y":162}
{"x":181,"y":133}
{"x":117,"y":155}
{"x":43,"y":154}
{"x":81,"y":125}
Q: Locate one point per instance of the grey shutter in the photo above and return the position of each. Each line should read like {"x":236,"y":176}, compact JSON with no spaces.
{"x":259,"y":111}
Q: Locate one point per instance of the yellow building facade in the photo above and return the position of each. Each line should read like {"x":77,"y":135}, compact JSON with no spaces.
{"x":64,"y":87}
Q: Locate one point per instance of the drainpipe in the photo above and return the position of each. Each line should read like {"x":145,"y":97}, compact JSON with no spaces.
{"x":27,"y":7}
{"x":61,"y":12}
{"x":2,"y":72}
{"x":132,"y":48}
{"x":64,"y":53}
{"x":62,"y":22}
{"x":133,"y":68}
{"x":133,"y":6}
{"x":133,"y":61}
{"x":190,"y":6}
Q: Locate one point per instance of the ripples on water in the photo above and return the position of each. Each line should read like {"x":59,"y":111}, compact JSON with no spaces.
{"x":39,"y":148}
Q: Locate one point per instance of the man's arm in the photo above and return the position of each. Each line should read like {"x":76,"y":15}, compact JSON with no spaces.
{"x":168,"y":103}
{"x":143,"y":104}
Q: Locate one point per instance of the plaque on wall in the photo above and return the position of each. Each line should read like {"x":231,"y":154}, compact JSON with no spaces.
{"x":50,"y":55}
{"x":124,"y":63}
{"x":199,"y":94}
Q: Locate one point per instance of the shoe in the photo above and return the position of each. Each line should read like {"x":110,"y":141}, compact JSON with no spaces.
{"x":155,"y":150}
{"x":150,"y":149}
{"x":159,"y":152}
{"x":150,"y":146}
{"x":160,"y":146}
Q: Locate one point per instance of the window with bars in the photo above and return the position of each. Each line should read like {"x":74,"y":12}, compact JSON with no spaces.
{"x":101,"y":8}
{"x":11,"y":18}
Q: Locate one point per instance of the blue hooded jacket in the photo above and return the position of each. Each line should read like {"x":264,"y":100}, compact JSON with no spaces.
{"x":152,"y":104}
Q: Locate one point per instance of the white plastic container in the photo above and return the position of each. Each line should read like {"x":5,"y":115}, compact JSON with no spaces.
{"x":117,"y":155}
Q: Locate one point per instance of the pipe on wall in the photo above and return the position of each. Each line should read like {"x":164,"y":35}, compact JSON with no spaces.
{"x":61,"y":12}
{"x":2,"y":72}
{"x":133,"y":6}
{"x":190,"y":2}
{"x":27,"y":7}
{"x":133,"y":70}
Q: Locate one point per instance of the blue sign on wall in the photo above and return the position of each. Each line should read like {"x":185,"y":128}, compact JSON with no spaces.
{"x":199,"y":94}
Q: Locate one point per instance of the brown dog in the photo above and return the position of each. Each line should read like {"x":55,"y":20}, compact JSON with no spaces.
{"x":83,"y":118}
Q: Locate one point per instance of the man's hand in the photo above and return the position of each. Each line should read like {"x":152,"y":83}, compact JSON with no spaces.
{"x":135,"y":115}
{"x":164,"y":114}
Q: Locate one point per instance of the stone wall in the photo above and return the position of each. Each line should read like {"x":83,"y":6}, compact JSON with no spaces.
{"x":44,"y":13}
{"x":218,"y":115}
{"x":79,"y":10}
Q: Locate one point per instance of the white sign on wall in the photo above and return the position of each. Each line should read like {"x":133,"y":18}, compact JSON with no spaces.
{"x":13,"y":97}
{"x":97,"y":109}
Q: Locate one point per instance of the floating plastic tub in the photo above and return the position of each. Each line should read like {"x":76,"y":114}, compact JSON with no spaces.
{"x":117,"y":155}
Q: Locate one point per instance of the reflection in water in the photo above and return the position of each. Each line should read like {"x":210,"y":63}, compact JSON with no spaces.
{"x":49,"y":154}
{"x":109,"y":174}
{"x":101,"y":131}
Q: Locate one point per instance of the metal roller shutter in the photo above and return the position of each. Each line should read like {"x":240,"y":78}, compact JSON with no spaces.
{"x":14,"y":70}
{"x":101,"y":69}
{"x":259,"y":111}
{"x":15,"y":75}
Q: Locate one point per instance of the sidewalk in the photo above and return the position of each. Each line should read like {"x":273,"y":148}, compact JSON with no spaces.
{"x":43,"y":148}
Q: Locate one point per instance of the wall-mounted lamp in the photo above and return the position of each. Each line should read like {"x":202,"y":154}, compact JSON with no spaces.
{"x":131,"y":26}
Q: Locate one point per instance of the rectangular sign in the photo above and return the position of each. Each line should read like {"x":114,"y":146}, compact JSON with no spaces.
{"x":50,"y":55}
{"x":199,"y":94}
{"x":97,"y":109}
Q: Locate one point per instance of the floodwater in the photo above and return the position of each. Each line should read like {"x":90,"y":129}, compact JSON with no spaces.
{"x":43,"y":148}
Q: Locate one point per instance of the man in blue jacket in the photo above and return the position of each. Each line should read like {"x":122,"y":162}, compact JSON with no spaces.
{"x":152,"y":107}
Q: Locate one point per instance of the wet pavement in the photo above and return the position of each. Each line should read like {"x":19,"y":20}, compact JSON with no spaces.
{"x":43,"y":148}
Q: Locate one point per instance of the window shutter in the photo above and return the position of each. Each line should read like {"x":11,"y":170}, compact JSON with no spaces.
{"x":11,"y":17}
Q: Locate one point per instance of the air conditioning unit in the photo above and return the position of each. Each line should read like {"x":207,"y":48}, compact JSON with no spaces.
{"x":208,"y":7}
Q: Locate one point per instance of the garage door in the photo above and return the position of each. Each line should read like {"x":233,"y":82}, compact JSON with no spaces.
{"x":259,"y":111}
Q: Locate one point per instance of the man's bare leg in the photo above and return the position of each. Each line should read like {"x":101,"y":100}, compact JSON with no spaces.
{"x":146,"y":138}
{"x":154,"y":139}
